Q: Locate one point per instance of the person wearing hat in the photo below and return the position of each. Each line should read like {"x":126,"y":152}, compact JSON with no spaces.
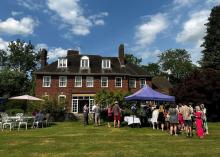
{"x":117,"y":115}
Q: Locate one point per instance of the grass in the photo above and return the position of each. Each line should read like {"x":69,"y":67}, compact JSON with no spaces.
{"x":73,"y":139}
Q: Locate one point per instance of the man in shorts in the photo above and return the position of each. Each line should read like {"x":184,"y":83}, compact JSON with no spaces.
{"x":117,"y":115}
{"x":186,"y":111}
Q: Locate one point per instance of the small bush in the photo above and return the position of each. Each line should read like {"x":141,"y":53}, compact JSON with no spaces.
{"x":14,"y":111}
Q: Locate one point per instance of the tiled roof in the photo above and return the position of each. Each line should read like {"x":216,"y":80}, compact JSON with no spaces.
{"x":162,"y":84}
{"x":95,"y":67}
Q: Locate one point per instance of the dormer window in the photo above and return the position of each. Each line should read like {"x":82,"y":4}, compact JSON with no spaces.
{"x":106,"y":63}
{"x":62,"y":62}
{"x":84,"y":63}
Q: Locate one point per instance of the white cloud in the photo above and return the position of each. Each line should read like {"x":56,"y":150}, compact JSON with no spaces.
{"x":147,"y":32}
{"x":194,"y":28}
{"x":149,"y":54}
{"x":182,"y":3}
{"x":41,"y":46}
{"x":16,"y":13}
{"x":99,"y":22}
{"x":31,"y":5}
{"x":97,"y":19}
{"x":72,"y":14}
{"x":54,"y":53}
{"x":213,"y":2}
{"x":3,"y":44}
{"x":195,"y":52}
{"x":11,"y":26}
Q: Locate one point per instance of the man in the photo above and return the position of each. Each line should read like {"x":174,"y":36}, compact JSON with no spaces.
{"x":143,"y":114}
{"x":133,"y":110}
{"x":186,"y":111}
{"x":97,"y":112}
{"x":93,"y":110}
{"x":117,"y":115}
{"x":85,"y":114}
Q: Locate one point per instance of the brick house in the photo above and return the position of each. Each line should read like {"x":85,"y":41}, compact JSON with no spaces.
{"x":78,"y":77}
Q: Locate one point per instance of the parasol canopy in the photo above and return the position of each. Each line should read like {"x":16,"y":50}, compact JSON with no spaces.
{"x":148,"y":94}
{"x":26,"y":97}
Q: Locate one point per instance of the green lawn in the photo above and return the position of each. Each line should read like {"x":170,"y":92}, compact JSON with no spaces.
{"x":72,"y":139}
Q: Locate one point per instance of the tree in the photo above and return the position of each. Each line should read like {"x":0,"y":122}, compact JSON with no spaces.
{"x":202,"y":86}
{"x":211,"y":44}
{"x":22,"y":56}
{"x":177,"y":63}
{"x":19,"y":61}
{"x":105,"y":98}
{"x":3,"y":57}
{"x":13,"y":83}
{"x":153,"y":69}
{"x":130,"y":58}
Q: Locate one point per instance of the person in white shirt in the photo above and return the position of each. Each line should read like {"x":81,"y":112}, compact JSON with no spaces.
{"x":93,"y":112}
{"x":205,"y":124}
{"x":154,"y":118}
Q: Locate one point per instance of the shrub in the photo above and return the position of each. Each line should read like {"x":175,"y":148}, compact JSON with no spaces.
{"x":14,"y":111}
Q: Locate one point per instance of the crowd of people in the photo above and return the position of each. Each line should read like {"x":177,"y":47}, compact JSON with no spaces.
{"x":176,"y":119}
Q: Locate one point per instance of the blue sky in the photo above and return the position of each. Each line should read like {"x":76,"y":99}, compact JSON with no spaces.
{"x":146,"y":27}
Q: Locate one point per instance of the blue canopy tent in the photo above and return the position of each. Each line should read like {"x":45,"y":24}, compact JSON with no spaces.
{"x":148,"y":94}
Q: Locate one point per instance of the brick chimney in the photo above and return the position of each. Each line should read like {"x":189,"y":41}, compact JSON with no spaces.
{"x":121,"y":54}
{"x":43,"y":58}
{"x":72,"y":53}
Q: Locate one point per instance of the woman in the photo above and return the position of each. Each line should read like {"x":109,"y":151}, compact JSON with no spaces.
{"x":180,"y":117}
{"x":205,"y":124}
{"x":154,"y":118}
{"x":161,"y":118}
{"x":199,"y":123}
{"x":173,"y":112}
{"x":109,"y":112}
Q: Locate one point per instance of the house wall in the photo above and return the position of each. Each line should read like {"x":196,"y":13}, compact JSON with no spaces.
{"x":55,"y":90}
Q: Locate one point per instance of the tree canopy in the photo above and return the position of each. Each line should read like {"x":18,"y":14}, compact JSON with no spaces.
{"x":202,"y":86}
{"x":22,"y":56}
{"x":176,"y":62}
{"x":130,"y":58}
{"x":153,"y":69}
{"x":211,"y":44}
{"x":17,"y":63}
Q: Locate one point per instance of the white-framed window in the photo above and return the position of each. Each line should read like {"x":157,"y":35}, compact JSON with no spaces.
{"x":78,"y":81}
{"x":142,"y":82}
{"x":62,"y":99}
{"x":118,"y":81}
{"x":62,"y":81}
{"x":84,"y":63}
{"x":46,"y":81}
{"x":104,"y":81}
{"x":132,"y":83}
{"x":106,"y":63}
{"x":62,"y":62}
{"x":91,"y":103}
{"x":75,"y":105}
{"x":89,"y":81}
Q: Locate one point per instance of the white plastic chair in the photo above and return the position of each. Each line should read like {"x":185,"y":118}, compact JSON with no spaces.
{"x":22,"y":121}
{"x":7,"y":122}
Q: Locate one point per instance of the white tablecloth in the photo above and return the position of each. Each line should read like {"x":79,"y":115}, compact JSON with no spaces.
{"x":130,"y":120}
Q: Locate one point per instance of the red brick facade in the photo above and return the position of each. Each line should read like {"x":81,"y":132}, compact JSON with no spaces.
{"x":54,"y":90}
{"x":72,"y":66}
